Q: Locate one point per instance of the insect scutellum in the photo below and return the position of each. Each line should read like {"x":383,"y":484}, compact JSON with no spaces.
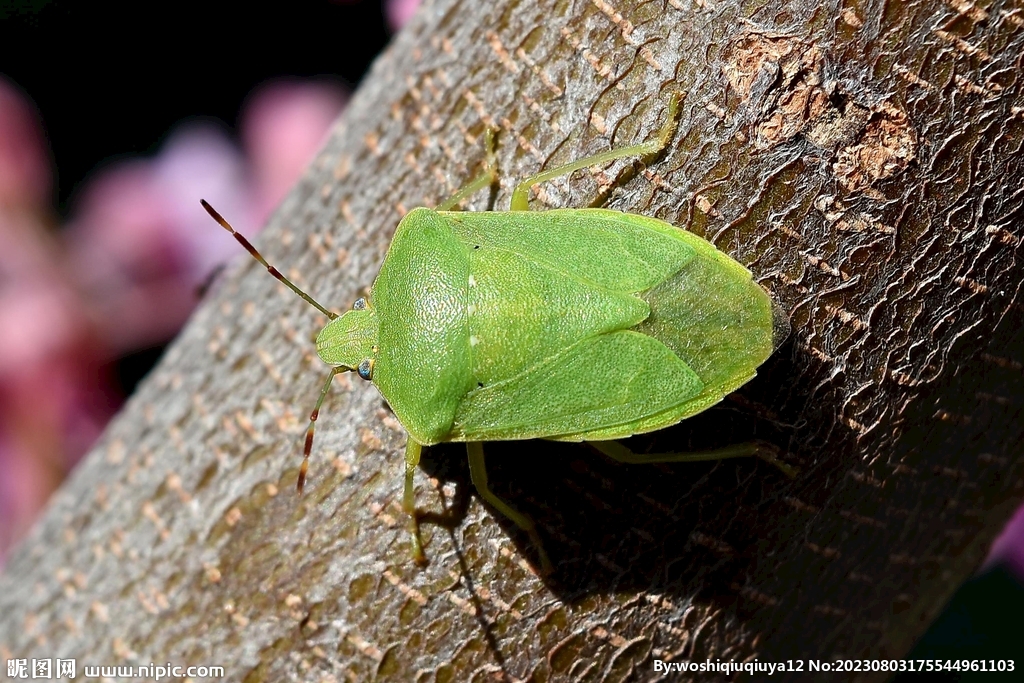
{"x":350,"y":346}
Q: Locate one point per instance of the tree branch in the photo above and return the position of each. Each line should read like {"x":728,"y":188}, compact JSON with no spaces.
{"x":863,"y":162}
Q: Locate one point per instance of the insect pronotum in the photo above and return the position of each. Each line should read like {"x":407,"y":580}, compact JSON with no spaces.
{"x":569,"y":324}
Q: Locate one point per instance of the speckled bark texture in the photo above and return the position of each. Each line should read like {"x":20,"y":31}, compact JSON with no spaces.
{"x":863,"y":160}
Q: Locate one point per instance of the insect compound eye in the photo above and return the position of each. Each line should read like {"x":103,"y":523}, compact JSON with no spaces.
{"x":359,"y":305}
{"x":365,"y":369}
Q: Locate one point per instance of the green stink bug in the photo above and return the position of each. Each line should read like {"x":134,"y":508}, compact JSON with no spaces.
{"x":569,"y":324}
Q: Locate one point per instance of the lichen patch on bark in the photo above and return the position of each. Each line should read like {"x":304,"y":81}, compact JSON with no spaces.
{"x":801,"y":105}
{"x":780,"y":83}
{"x":756,"y":54}
{"x":835,"y":128}
{"x":886,"y":146}
{"x":779,"y":78}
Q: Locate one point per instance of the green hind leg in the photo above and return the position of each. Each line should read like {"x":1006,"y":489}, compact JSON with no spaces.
{"x":616,"y":451}
{"x":478,"y":472}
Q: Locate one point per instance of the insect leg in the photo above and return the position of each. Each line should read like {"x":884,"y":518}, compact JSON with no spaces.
{"x":312,"y":425}
{"x":485,"y":179}
{"x":616,"y":451}
{"x":521,"y":195}
{"x":412,"y":459}
{"x":478,"y":473}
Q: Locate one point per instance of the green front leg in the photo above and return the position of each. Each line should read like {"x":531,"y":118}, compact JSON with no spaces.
{"x":412,"y":459}
{"x":485,"y":179}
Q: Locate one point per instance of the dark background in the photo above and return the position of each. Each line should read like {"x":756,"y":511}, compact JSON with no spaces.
{"x":111,"y":78}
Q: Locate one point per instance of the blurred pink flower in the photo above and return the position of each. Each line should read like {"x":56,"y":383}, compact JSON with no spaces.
{"x":125,"y":274}
{"x":399,"y":12}
{"x":1008,"y":548}
{"x":54,"y":399}
{"x":142,"y":245}
{"x":283,"y":125}
{"x":25,"y":176}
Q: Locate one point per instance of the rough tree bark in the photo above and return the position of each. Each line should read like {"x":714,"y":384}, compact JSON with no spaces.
{"x":863,"y":160}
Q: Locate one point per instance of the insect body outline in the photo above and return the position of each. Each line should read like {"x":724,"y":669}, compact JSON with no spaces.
{"x":566,"y":324}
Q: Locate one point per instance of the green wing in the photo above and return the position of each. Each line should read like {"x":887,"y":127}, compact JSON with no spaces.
{"x":606,"y":380}
{"x":613,"y":250}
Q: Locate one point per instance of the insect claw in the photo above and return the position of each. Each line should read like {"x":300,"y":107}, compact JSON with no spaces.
{"x":305,"y":456}
{"x":418,"y":556}
{"x":769,"y":453}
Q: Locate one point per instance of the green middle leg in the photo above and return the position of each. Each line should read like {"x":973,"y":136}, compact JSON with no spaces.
{"x":478,"y":473}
